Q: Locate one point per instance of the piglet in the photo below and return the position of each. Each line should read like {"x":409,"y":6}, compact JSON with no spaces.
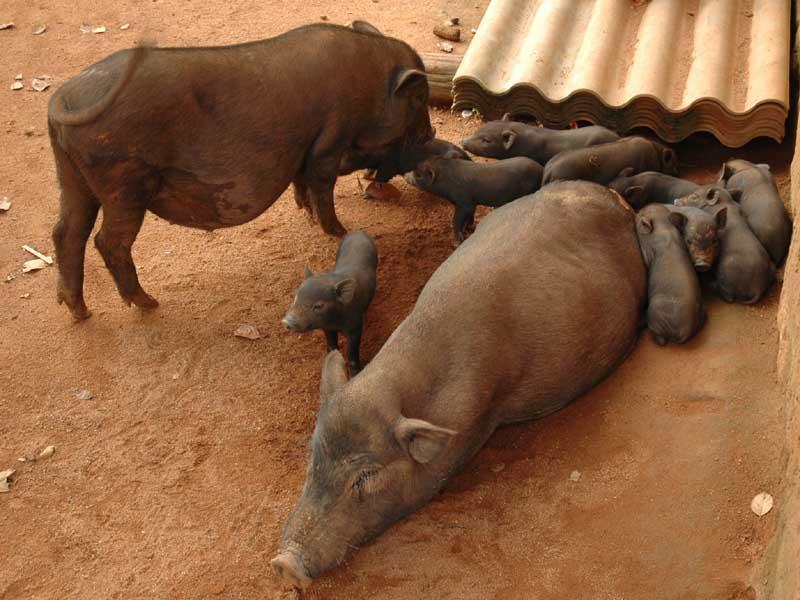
{"x":336,"y":301}
{"x":468,"y":184}
{"x":744,"y":270}
{"x":754,"y":188}
{"x":701,"y":232}
{"x":650,"y":186}
{"x":675,"y":310}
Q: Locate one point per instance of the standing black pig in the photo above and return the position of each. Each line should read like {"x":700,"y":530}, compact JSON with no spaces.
{"x":602,"y":163}
{"x":468,"y":184}
{"x":650,"y":186}
{"x":744,"y":270}
{"x":506,"y":138}
{"x":534,"y":309}
{"x":754,"y":188}
{"x":211,"y":137}
{"x":675,"y":304}
{"x":337,"y":301}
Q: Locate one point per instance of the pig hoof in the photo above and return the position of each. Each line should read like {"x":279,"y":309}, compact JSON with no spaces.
{"x":335,"y":229}
{"x":79,"y":315}
{"x":143,"y":300}
{"x":289,"y":568}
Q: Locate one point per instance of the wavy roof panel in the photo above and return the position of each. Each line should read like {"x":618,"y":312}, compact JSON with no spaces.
{"x":673,"y":66}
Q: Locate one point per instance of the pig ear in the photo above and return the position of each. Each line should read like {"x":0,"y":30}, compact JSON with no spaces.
{"x":646,"y":225}
{"x":677,"y":219}
{"x":345,"y":290}
{"x":736,"y":194}
{"x":721,"y":217}
{"x":423,"y":441}
{"x":365,"y":27}
{"x":307,"y":273}
{"x":506,"y":117}
{"x":508,"y":139}
{"x":724,"y":173}
{"x":409,"y":81}
{"x":626,"y":172}
{"x":430,"y":174}
{"x":633,"y":193}
{"x":334,"y":374}
{"x":712,"y":196}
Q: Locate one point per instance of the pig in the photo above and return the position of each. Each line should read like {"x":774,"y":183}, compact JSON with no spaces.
{"x":754,"y":188}
{"x":539,"y":305}
{"x":211,"y":137}
{"x":602,"y":163}
{"x":337,"y":301}
{"x":650,"y":186}
{"x":506,"y":139}
{"x":467,"y":184}
{"x":675,"y":310}
{"x":744,"y":270}
{"x":701,"y":232}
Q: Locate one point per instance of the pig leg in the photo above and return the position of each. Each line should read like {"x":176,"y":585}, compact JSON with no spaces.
{"x":301,"y":193}
{"x":332,"y":337}
{"x":321,"y":171}
{"x":120,"y":227}
{"x":461,"y":218}
{"x":76,"y":219}
{"x":354,"y":348}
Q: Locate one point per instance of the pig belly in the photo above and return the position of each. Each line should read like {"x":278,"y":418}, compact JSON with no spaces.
{"x":185,"y":199}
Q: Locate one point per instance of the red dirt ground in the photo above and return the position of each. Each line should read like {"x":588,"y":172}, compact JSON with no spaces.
{"x":173,"y":481}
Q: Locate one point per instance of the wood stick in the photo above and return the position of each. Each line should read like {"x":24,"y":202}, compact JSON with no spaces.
{"x":440,"y":68}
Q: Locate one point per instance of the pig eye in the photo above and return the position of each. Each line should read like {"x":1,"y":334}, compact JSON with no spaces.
{"x":318,"y":306}
{"x":361,"y":484}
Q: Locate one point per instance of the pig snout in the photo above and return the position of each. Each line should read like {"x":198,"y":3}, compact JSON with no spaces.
{"x":289,"y":322}
{"x":702,"y":266}
{"x":289,"y":567}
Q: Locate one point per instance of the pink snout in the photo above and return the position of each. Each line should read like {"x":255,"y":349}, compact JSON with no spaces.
{"x":288,"y":567}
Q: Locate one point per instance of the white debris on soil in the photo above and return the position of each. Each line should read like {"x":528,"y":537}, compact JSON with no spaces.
{"x":125,"y":26}
{"x":445,"y":47}
{"x":16,"y":86}
{"x":5,"y":203}
{"x":100,"y":29}
{"x":575,"y":476}
{"x":39,"y":29}
{"x":37,"y":254}
{"x":85,"y":28}
{"x":47,"y":452}
{"x":466,"y":114}
{"x":40,"y":83}
{"x":246,"y":331}
{"x":762,"y":504}
{"x":25,"y":296}
{"x":4,"y":477}
{"x":18,"y":77}
{"x":84,"y":395}
{"x":6,"y":26}
{"x":33,"y":265}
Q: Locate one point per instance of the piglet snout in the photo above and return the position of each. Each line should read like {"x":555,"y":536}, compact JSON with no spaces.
{"x":702,"y":266}
{"x":290,"y":569}
{"x":289,"y":322}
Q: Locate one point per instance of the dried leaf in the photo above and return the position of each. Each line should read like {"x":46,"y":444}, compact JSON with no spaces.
{"x":761,"y":504}
{"x":84,"y":395}
{"x":6,"y":26}
{"x":100,"y":29}
{"x":85,"y":28}
{"x":125,"y":26}
{"x":40,"y":84}
{"x":249,"y":332}
{"x":33,"y":265}
{"x":575,"y":476}
{"x":445,"y":47}
{"x":16,"y":86}
{"x":4,"y":477}
{"x":47,"y":452}
{"x":39,"y":29}
{"x":448,"y":32}
{"x":37,"y":254}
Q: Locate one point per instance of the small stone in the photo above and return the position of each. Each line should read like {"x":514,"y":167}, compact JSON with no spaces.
{"x":39,"y":29}
{"x":85,"y":28}
{"x":466,"y":114}
{"x":575,"y":476}
{"x":40,"y":84}
{"x":498,"y":467}
{"x":125,"y":26}
{"x":47,"y":452}
{"x":448,"y":32}
{"x":16,"y":86}
{"x":474,"y":31}
{"x":445,"y":47}
{"x":100,"y":29}
{"x":761,"y":504}
{"x":18,"y":77}
{"x":6,"y":26}
{"x":84,"y":395}
{"x":5,"y":203}
{"x":175,"y":376}
{"x":25,"y":296}
{"x":22,"y":459}
{"x":249,"y":332}
{"x":10,"y":278}
{"x":4,"y":477}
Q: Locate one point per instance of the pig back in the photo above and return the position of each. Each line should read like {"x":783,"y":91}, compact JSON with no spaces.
{"x":538,"y":305}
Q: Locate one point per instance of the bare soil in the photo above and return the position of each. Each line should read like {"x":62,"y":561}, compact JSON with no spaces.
{"x":174,"y":480}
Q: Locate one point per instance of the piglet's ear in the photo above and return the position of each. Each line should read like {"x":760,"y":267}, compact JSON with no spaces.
{"x":677,"y":219}
{"x":736,"y":194}
{"x":423,"y":441}
{"x":634,"y":194}
{"x":334,"y":375}
{"x":721,"y":217}
{"x":626,"y":172}
{"x":345,"y":290}
{"x":645,"y":225}
{"x":506,"y":117}
{"x":307,"y":274}
{"x":409,"y":80}
{"x":712,"y":196}
{"x":508,"y":139}
{"x":725,"y":173}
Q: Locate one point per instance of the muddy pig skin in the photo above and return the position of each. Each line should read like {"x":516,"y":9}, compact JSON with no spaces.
{"x":650,"y":186}
{"x":469,"y":184}
{"x":539,"y":305}
{"x":675,"y":304}
{"x":744,"y":270}
{"x":211,"y":137}
{"x":337,"y":301}
{"x":506,"y":138}
{"x":754,"y":188}
{"x":604,"y":162}
{"x":701,"y":232}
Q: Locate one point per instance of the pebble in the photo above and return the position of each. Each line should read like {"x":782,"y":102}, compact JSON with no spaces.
{"x":575,"y":476}
{"x":84,"y":395}
{"x":47,"y":452}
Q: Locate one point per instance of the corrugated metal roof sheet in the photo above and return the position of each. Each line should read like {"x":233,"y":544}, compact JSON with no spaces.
{"x":674,"y":66}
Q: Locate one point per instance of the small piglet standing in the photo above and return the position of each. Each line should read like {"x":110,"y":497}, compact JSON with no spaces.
{"x":336,"y":301}
{"x":675,"y":310}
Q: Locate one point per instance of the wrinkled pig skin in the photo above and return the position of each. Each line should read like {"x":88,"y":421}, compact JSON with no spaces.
{"x":744,"y":270}
{"x":507,"y":138}
{"x":701,"y":232}
{"x":650,"y":186}
{"x":337,"y":301}
{"x":675,"y":310}
{"x":539,"y":305}
{"x":602,"y":163}
{"x":467,"y":184}
{"x":753,"y":186}
{"x":211,"y":137}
